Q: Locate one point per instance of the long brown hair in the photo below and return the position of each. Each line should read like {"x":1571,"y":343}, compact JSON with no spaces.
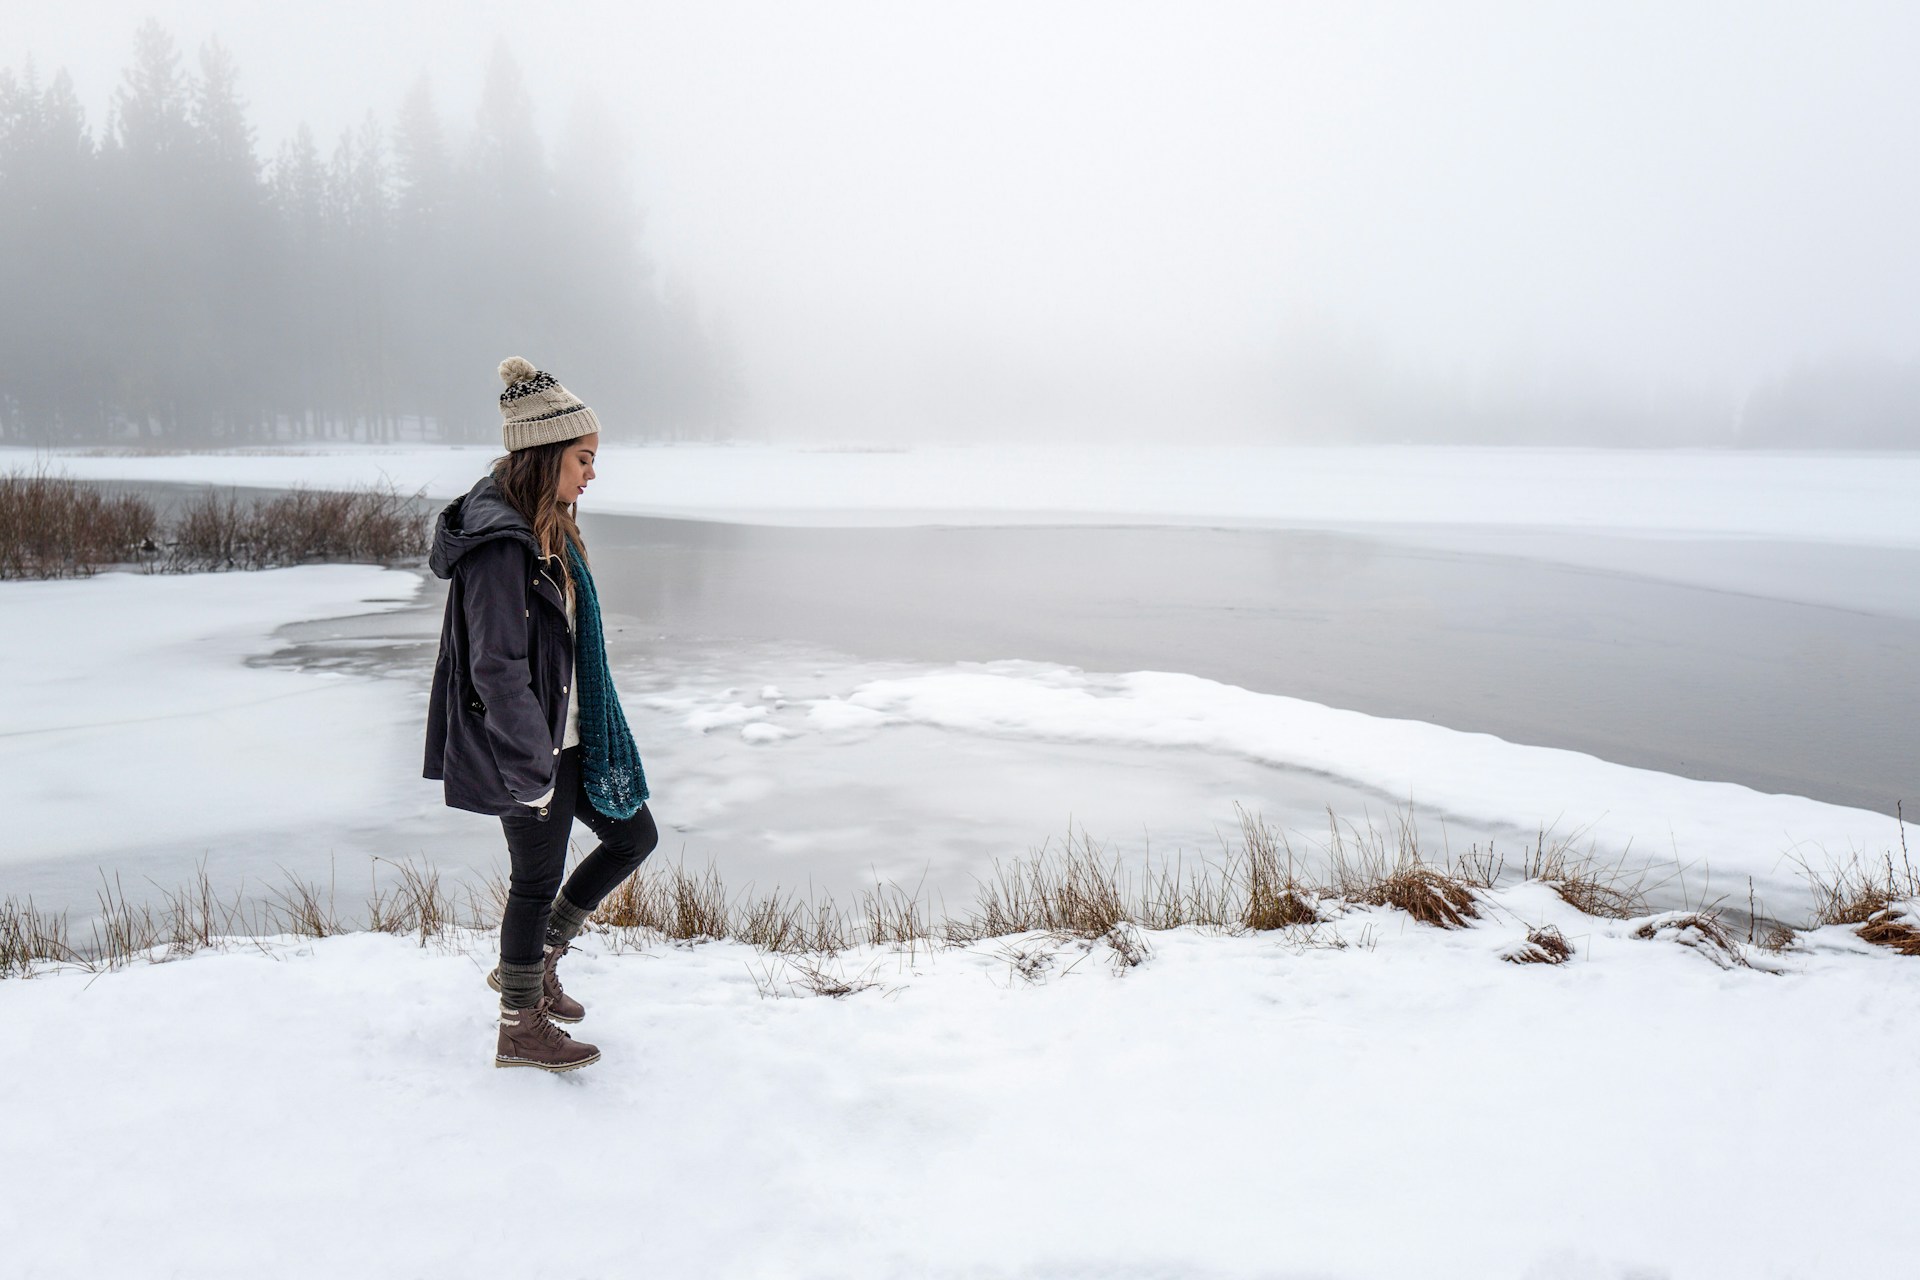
{"x":529,"y":479}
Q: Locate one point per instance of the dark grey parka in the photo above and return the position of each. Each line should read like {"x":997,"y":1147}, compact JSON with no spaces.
{"x":498,"y":710}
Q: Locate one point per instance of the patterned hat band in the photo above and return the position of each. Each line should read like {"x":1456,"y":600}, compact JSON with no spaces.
{"x":535,"y":409}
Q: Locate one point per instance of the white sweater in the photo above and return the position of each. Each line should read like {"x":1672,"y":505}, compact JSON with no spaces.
{"x":572,"y":736}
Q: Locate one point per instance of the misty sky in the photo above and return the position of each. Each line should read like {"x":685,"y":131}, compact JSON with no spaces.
{"x":918,"y":216}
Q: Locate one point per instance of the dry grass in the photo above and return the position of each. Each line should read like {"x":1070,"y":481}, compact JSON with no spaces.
{"x":1277,"y":896}
{"x":1365,"y":867}
{"x":1889,"y":928}
{"x":1591,"y":887}
{"x":1072,"y":894}
{"x":29,"y":936}
{"x":1873,"y":895}
{"x":1700,"y":930}
{"x":419,"y":905}
{"x":52,"y":527}
{"x":1544,"y":945}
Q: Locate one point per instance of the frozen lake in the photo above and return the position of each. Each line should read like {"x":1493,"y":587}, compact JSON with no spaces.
{"x":1784,"y":666}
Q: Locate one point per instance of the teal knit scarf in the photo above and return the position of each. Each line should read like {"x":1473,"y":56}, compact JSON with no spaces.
{"x":615,"y":782}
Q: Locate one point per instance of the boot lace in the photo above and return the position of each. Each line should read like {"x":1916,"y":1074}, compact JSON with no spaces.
{"x":545,"y":1027}
{"x":552,"y":977}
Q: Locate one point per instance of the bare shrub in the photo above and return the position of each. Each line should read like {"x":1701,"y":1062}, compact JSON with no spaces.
{"x":370,"y":524}
{"x":1544,"y":945}
{"x":53,"y":527}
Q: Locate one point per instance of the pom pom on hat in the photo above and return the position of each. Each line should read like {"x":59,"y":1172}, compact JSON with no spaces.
{"x":515,"y":369}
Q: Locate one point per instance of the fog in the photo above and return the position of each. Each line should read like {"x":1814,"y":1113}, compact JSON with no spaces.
{"x":1596,"y":223}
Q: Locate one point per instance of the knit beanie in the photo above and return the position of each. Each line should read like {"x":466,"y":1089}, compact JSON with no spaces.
{"x":536,"y":409}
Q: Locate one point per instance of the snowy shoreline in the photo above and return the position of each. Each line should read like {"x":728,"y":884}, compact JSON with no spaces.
{"x":253,"y":760}
{"x":1849,"y":498}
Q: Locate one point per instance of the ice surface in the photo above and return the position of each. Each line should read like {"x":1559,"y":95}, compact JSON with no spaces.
{"x":166,"y":723}
{"x":1863,"y":499}
{"x":131,"y":716}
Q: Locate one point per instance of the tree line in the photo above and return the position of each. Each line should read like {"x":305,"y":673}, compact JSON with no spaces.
{"x":165,"y":284}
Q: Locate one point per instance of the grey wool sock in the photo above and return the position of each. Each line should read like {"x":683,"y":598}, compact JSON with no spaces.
{"x":520,"y":984}
{"x":565,"y":922}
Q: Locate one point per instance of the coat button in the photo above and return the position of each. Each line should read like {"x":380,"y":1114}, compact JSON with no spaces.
{"x":528,"y":612}
{"x":563,"y":688}
{"x":556,"y":751}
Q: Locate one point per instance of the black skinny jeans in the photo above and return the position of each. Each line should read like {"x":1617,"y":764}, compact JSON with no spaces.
{"x":538,"y":849}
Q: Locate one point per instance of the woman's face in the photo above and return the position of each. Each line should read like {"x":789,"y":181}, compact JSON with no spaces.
{"x":576,"y":467}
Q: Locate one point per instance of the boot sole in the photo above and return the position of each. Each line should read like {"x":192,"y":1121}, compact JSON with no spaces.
{"x":493,"y":980}
{"x":499,"y":1061}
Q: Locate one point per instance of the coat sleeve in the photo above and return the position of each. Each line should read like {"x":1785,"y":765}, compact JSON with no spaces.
{"x":496,"y":600}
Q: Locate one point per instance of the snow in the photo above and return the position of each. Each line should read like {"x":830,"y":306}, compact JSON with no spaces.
{"x":1265,"y":1105}
{"x":1720,"y":832}
{"x":1859,"y":499}
{"x":135,"y":716}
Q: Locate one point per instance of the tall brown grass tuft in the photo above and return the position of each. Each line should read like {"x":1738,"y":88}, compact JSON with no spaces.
{"x":1363,"y":868}
{"x":1276,"y":896}
{"x":1079,"y":891}
{"x":53,"y":527}
{"x":419,"y":904}
{"x":1872,"y":895}
{"x":28,"y":936}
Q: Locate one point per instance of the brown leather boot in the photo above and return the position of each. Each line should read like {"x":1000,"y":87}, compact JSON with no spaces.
{"x":528,"y":1038}
{"x":565,"y":1007}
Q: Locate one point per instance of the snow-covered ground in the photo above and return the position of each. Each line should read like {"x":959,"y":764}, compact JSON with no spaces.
{"x":131,"y":714}
{"x":1862,"y":499}
{"x":1255,"y":1106}
{"x":1278,"y":1105}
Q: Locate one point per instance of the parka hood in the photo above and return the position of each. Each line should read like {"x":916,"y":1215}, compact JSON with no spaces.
{"x":480,"y":516}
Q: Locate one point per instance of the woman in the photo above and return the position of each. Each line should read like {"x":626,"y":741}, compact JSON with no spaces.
{"x":523,"y":721}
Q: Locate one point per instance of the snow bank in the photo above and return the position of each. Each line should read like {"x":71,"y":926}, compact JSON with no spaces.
{"x":1717,"y":829}
{"x":132,"y":708}
{"x":1851,"y":498}
{"x":1407,"y":1106}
